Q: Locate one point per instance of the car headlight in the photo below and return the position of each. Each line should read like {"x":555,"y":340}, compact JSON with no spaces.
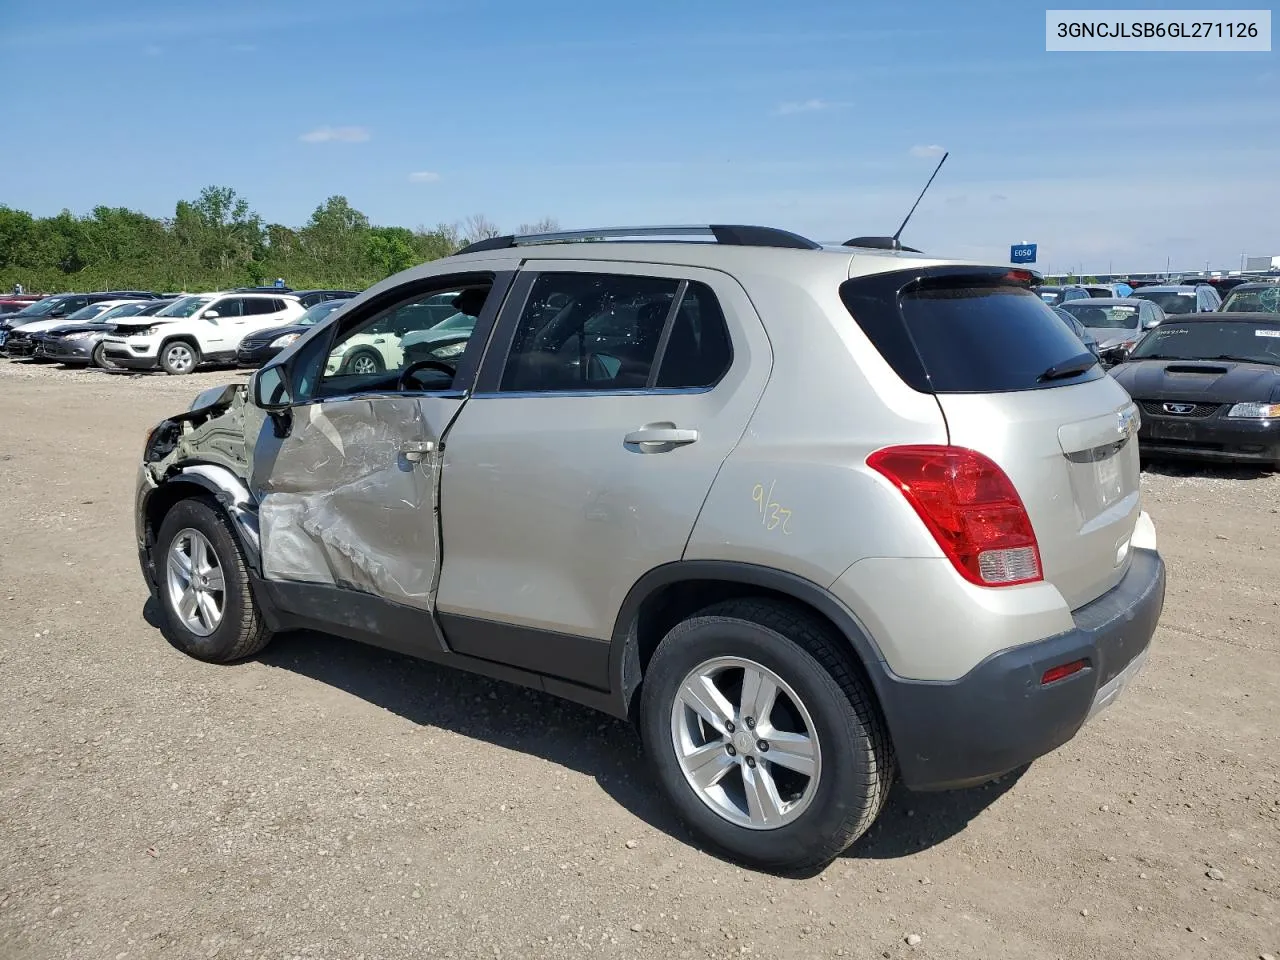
{"x":79,"y":335}
{"x":141,"y":332}
{"x":288,"y":338}
{"x":453,"y":350}
{"x":1255,"y":411}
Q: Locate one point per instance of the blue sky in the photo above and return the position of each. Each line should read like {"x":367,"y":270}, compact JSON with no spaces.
{"x":816,"y":116}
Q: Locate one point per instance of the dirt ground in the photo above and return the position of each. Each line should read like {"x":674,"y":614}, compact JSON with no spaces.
{"x":329,"y":800}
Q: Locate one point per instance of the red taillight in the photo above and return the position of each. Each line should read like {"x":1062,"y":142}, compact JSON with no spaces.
{"x":971,"y":508}
{"x":1055,"y":674}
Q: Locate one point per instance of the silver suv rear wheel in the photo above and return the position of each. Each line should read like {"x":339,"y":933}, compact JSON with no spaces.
{"x":763,"y":736}
{"x":745,"y":742}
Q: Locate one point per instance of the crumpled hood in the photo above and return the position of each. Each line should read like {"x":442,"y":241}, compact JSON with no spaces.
{"x":1200,"y":381}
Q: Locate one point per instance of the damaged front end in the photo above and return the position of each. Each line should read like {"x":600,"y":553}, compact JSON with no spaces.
{"x":208,"y":447}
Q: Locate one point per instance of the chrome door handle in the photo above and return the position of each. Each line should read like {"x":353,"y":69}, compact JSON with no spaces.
{"x":661,"y":434}
{"x":415,"y":450}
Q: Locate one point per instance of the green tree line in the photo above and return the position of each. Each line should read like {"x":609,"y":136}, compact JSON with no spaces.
{"x":217,"y":241}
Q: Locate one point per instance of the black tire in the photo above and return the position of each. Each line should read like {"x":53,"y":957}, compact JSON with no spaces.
{"x":349,"y":364}
{"x":853,"y":784}
{"x":172,"y":359}
{"x":99,"y":358}
{"x":241,"y":632}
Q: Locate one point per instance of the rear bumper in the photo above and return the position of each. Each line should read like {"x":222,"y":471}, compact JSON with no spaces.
{"x":1212,"y":438}
{"x":999,"y":716}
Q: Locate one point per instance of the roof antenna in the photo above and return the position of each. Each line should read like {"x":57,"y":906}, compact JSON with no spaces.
{"x":893,"y":243}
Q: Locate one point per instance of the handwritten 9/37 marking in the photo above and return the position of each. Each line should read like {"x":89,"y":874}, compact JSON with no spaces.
{"x":773,"y":515}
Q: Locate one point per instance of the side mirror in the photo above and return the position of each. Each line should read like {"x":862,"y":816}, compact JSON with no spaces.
{"x":270,"y":389}
{"x":1150,"y":324}
{"x":210,"y":314}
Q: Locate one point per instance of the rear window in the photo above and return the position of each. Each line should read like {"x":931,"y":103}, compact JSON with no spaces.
{"x":1171,"y":302}
{"x":966,"y":334}
{"x":1104,"y":318}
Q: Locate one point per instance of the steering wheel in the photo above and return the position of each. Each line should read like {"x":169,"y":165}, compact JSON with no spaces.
{"x":417,"y":365}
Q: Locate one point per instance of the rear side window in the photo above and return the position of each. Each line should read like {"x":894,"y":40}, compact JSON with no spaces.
{"x":606,"y":333}
{"x":958,"y":334}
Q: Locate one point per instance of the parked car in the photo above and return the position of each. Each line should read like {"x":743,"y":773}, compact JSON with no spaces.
{"x":13,"y":302}
{"x":259,"y":347}
{"x":1223,"y":285}
{"x":1180,"y":299}
{"x":21,"y":341}
{"x":1116,"y":324}
{"x":59,"y":307}
{"x":1209,"y":388}
{"x":1078,"y":329}
{"x":1261,"y":297}
{"x":206,"y":328}
{"x":746,"y":540}
{"x":1054,"y":296}
{"x":81,"y":342}
{"x":308,"y":298}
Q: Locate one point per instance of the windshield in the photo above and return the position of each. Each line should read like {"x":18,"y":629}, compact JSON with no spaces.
{"x":1103,"y":318}
{"x":87,"y":313}
{"x":41,"y":307}
{"x":1257,"y":300}
{"x":459,"y":321}
{"x":1051,"y":295}
{"x":317,"y":312}
{"x":186,"y":307}
{"x":1170,"y":301}
{"x":119,"y":310}
{"x":1234,"y":340}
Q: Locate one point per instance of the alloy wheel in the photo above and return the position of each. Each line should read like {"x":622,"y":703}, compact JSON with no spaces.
{"x":746,"y":743}
{"x":197,"y":585}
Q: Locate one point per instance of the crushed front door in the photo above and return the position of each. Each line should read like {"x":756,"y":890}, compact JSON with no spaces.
{"x":348,"y":498}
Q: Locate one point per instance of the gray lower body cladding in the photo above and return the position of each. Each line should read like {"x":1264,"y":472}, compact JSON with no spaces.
{"x":999,"y":716}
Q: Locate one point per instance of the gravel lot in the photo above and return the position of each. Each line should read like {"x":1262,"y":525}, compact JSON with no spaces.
{"x":329,"y":800}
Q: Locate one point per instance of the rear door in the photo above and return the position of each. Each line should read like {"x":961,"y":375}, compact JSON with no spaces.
{"x":998,"y":362}
{"x":610,"y":397}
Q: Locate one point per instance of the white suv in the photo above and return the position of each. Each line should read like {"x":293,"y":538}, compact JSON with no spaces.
{"x":203,"y":328}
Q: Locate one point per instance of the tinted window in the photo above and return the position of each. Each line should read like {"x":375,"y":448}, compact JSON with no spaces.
{"x":1228,"y":340}
{"x":1104,"y":318}
{"x":228,"y":307}
{"x":259,"y":306}
{"x":602,"y":332}
{"x":965,"y":334}
{"x":1170,"y":301}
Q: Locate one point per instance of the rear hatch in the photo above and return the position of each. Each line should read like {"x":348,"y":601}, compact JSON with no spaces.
{"x":1016,"y":385}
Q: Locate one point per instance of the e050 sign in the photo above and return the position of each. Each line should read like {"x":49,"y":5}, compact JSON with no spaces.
{"x":1022,"y":253}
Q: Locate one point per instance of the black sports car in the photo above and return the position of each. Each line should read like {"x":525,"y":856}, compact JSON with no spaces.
{"x":1208,"y":386}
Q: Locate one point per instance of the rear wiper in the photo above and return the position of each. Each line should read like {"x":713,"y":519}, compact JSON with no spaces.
{"x":1069,"y":368}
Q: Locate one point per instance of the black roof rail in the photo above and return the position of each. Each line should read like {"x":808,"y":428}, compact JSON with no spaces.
{"x":736,"y":235}
{"x":879,"y":243}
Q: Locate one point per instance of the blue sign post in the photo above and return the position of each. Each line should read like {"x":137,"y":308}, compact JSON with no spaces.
{"x":1022,"y":253}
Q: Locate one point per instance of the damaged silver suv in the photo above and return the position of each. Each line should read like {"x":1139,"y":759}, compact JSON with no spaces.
{"x":814,"y":517}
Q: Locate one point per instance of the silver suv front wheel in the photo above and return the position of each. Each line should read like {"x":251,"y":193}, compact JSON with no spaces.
{"x":208,"y":610}
{"x":762,"y":735}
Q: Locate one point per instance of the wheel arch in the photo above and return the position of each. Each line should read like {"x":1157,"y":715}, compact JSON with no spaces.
{"x":211,"y":482}
{"x":674,"y":591}
{"x":188,"y":338}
